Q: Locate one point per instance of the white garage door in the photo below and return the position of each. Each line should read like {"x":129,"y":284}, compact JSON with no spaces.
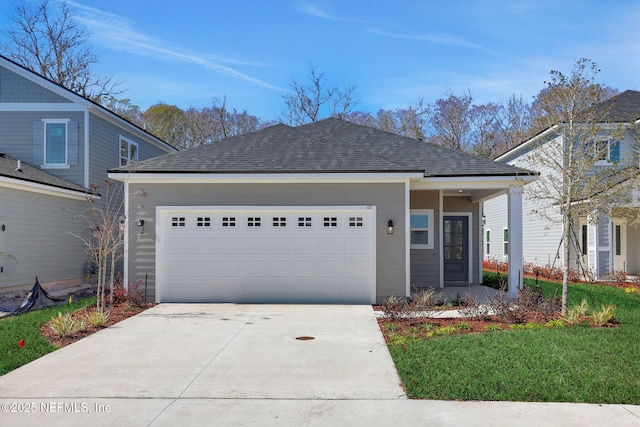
{"x":266,"y":254}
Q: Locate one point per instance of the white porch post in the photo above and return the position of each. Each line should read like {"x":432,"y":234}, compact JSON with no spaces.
{"x":515,"y":240}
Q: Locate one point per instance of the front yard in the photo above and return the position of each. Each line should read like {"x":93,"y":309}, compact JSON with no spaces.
{"x":569,"y":364}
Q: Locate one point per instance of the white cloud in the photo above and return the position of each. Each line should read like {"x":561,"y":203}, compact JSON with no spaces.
{"x":439,"y":38}
{"x":118,"y":33}
{"x":312,"y":10}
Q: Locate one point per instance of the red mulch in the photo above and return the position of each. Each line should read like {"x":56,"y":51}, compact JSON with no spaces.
{"x":118,"y":313}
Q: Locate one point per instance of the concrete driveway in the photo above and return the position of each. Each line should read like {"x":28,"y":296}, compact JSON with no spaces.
{"x":225,"y":364}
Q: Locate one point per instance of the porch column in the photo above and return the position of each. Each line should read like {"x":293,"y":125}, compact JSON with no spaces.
{"x":515,"y":240}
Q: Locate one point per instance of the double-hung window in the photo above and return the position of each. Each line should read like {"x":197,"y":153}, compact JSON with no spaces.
{"x":55,"y":142}
{"x":128,"y":151}
{"x":487,"y":240}
{"x":421,"y":223}
{"x":606,"y":150}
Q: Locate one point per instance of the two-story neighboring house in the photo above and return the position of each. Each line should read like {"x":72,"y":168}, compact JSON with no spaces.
{"x":601,"y":245}
{"x":54,"y":144}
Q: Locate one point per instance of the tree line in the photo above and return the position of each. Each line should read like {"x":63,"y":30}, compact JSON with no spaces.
{"x":44,"y":37}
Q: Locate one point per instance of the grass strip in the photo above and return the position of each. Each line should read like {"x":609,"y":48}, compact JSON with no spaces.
{"x":27,"y":327}
{"x":579,"y":364}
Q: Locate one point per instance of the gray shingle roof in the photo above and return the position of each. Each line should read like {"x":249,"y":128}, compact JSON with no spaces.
{"x":325,"y":146}
{"x":8,"y":168}
{"x":624,"y":107}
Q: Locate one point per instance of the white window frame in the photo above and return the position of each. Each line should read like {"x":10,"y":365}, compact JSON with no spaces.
{"x":428,"y":229}
{"x":487,"y":241}
{"x":609,"y":140}
{"x":505,"y":243}
{"x":129,"y":144}
{"x":46,"y":163}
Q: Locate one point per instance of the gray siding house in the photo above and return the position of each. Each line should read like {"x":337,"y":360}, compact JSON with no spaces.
{"x":64,"y":144}
{"x":603,"y":245}
{"x":326,"y":212}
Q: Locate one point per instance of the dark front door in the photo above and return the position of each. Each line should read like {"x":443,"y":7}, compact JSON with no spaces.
{"x":456,"y":248}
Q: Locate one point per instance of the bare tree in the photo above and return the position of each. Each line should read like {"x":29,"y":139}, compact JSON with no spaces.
{"x":306,"y":103}
{"x":103,"y":245}
{"x":50,"y":43}
{"x":450,"y":121}
{"x":574,"y":181}
{"x":485,"y":120}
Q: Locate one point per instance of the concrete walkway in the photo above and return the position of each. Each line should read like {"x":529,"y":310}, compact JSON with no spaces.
{"x":225,"y":364}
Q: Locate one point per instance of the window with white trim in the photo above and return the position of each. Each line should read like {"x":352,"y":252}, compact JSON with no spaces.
{"x":505,"y":241}
{"x":421,"y":223}
{"x":355,"y":221}
{"x":605,"y":149}
{"x":178,"y":221}
{"x":128,"y":151}
{"x":254,"y":221}
{"x":330,"y":221}
{"x":55,"y":142}
{"x":279,"y":221}
{"x":304,"y":221}
{"x":203,"y":221}
{"x":487,"y":241}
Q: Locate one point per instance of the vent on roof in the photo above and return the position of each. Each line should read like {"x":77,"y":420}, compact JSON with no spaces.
{"x":19,"y":168}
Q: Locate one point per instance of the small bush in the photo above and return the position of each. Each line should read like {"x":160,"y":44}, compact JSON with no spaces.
{"x":555,"y":323}
{"x":493,"y":328}
{"x":422,"y":302}
{"x":393,"y":307}
{"x":97,"y":318}
{"x":463,"y":326}
{"x":575,"y":314}
{"x":444,"y":330}
{"x":392,"y":327}
{"x":632,"y":290}
{"x":428,"y":326}
{"x":64,"y":325}
{"x":604,"y":315}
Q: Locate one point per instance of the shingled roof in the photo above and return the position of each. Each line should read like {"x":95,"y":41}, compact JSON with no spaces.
{"x":622,"y":108}
{"x":326,"y":146}
{"x":28,"y":173}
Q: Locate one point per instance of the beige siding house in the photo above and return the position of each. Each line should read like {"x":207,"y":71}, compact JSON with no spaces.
{"x":326,"y":212}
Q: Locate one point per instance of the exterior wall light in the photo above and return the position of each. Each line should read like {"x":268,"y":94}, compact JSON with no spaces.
{"x":390,"y":227}
{"x":140,"y":225}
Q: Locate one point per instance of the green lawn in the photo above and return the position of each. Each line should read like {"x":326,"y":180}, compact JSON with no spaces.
{"x":27,"y":327}
{"x":578,"y":364}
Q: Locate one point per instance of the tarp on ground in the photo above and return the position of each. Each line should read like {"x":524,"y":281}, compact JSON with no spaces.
{"x":38,"y":298}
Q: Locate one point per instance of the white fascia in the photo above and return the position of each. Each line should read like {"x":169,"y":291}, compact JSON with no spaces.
{"x":155,"y":178}
{"x":518,"y":150}
{"x":471,"y":183}
{"x":34,"y":187}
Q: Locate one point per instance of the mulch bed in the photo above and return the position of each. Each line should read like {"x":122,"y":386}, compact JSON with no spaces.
{"x":118,"y":313}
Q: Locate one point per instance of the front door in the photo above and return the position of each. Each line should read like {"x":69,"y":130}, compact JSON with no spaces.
{"x":456,"y":249}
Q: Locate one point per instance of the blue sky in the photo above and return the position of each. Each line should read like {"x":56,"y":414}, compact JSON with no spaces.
{"x":187,"y":52}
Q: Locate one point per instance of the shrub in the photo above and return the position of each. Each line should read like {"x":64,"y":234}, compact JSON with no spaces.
{"x":555,"y":323}
{"x":97,"y":318}
{"x":444,"y":330}
{"x":463,"y":326}
{"x":604,"y":315}
{"x":64,"y":325}
{"x":423,"y":302}
{"x":132,"y":296}
{"x":492,"y":328}
{"x":632,"y":290}
{"x":472,"y":310}
{"x":393,"y":307}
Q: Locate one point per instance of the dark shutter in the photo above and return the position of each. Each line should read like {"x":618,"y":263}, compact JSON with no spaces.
{"x":38,"y":143}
